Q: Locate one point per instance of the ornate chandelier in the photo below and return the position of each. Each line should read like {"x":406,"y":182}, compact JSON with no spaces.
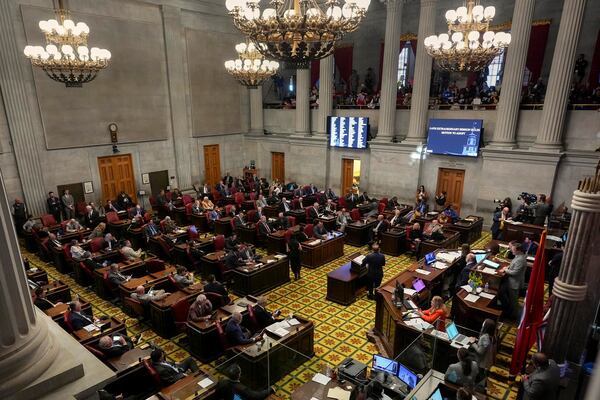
{"x":251,"y":68}
{"x":468,"y":45}
{"x":297,"y":31}
{"x":66,"y":57}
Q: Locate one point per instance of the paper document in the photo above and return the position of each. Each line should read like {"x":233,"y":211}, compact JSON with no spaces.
{"x":553,"y":238}
{"x":472,"y":298}
{"x":359,"y":259}
{"x":466,"y":287}
{"x":487,"y":295}
{"x":204,"y":383}
{"x":489,"y":271}
{"x":279,"y":256}
{"x":315,"y":242}
{"x":491,"y":263}
{"x":439,"y":334}
{"x":91,"y":327}
{"x":320,"y":378}
{"x":422,"y":271}
{"x":293,"y":321}
{"x":440,"y":265}
{"x":338,"y":393}
{"x":281,"y":332}
{"x":409,"y":291}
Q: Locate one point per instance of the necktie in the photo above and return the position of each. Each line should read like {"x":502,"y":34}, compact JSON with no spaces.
{"x":378,"y":225}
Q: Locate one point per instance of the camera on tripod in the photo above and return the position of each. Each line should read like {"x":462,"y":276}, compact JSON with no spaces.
{"x":528,"y":198}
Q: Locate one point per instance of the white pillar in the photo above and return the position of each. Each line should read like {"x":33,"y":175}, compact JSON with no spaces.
{"x":512,"y":81}
{"x":303,"y":101}
{"x":389,"y":74}
{"x":420,"y":96}
{"x":256,"y":110}
{"x":561,"y":74}
{"x":325,"y":93}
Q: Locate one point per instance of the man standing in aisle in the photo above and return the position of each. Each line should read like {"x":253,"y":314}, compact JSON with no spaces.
{"x":374,"y":263}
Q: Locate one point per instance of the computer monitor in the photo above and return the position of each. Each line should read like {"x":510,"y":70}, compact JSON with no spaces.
{"x":418,"y":285}
{"x":384,"y":364}
{"x":407,"y":376}
{"x":480,"y":257}
{"x":437,"y":395}
{"x":451,"y":330}
{"x":429,"y":258}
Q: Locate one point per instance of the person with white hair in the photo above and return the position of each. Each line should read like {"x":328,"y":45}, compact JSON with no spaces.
{"x":117,"y":344}
{"x":145,"y":298}
{"x":129,"y":253}
{"x":200,"y":309}
{"x":168,"y":225}
{"x":236,"y":333}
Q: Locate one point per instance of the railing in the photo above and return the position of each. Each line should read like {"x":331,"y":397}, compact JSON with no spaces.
{"x":476,"y":107}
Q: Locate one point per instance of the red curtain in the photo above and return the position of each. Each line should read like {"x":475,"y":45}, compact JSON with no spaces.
{"x":314,"y":72}
{"x":595,"y":68}
{"x":342,"y":57}
{"x":537,"y":47}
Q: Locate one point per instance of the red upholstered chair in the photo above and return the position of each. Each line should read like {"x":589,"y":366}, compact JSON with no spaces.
{"x":187,"y":199}
{"x":355,"y":214}
{"x":319,"y":197}
{"x":111,"y":216}
{"x":87,"y":272}
{"x":153,"y":202}
{"x":308,"y":229}
{"x":155,"y":265}
{"x":109,"y":285}
{"x":225,"y":345}
{"x":216,"y":196}
{"x":152,"y":372}
{"x":292,"y":221}
{"x":179,"y":310}
{"x":232,"y":223}
{"x":233,"y":190}
{"x":188,"y":209}
{"x":168,"y":195}
{"x":219,"y":243}
{"x":307,"y":215}
{"x":130,"y":211}
{"x":95,"y":352}
{"x":164,"y":249}
{"x":96,"y":244}
{"x":342,"y":203}
{"x":380,"y":207}
{"x":216,"y":299}
{"x":63,"y":225}
{"x":252,"y":319}
{"x":228,"y":208}
{"x":288,"y":235}
{"x":48,"y":220}
{"x":295,"y":204}
{"x":384,"y":200}
{"x":175,"y":284}
{"x":147,"y":217}
{"x":162,"y":224}
{"x":251,"y":214}
{"x":239,"y":198}
{"x":67,"y":321}
{"x":411,"y":247}
{"x":252,"y":194}
{"x":195,"y":264}
{"x":67,"y":253}
{"x":134,"y":307}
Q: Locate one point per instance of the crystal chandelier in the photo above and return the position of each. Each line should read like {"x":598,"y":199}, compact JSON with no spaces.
{"x":297,"y":31}
{"x":251,"y":68}
{"x":468,"y":45}
{"x":66,"y":57}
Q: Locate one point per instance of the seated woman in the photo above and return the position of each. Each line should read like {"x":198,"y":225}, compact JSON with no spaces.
{"x":98,"y":231}
{"x":200,"y":309}
{"x":437,"y":314}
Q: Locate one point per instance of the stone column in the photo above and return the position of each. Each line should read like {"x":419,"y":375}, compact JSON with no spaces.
{"x":256,"y":110}
{"x":512,"y":81}
{"x":325,"y":93}
{"x":26,"y":348}
{"x":577,"y":288}
{"x":420,"y":96}
{"x":303,"y":101}
{"x":175,"y":51}
{"x":561,"y":75}
{"x":19,"y":115}
{"x":389,"y":73}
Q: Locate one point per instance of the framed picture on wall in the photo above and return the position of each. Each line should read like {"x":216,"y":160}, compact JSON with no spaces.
{"x":88,"y":187}
{"x":145,"y":179}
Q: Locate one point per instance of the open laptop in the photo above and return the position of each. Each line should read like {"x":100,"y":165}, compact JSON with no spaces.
{"x":430,"y":258}
{"x":409,"y":378}
{"x":480,"y":257}
{"x":454,"y":336}
{"x":418,"y":285}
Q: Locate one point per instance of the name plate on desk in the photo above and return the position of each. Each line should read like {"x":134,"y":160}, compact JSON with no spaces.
{"x":422,"y":271}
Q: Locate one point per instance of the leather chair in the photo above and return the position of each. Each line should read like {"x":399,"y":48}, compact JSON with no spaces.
{"x":96,"y":244}
{"x":411,"y":247}
{"x":174,"y":282}
{"x":147,"y":217}
{"x":179,"y":311}
{"x":88,"y":274}
{"x":48,"y":220}
{"x":192,"y":234}
{"x":342,"y":203}
{"x":63,"y":225}
{"x":80,"y":207}
{"x":307,"y":215}
{"x":228,"y":209}
{"x":252,"y":194}
{"x":380,"y":207}
{"x":252,"y":319}
{"x":308,"y":229}
{"x":187,"y":199}
{"x":67,"y":321}
{"x":295,"y":204}
{"x":110,"y":286}
{"x":134,"y":307}
{"x":239,"y":199}
{"x":152,"y":372}
{"x":355,"y":214}
{"x":153,"y":202}
{"x":251,"y":215}
{"x":130,"y":211}
{"x":188,"y":210}
{"x":384,"y":200}
{"x":288,"y":235}
{"x":292,"y":221}
{"x":95,"y":352}
{"x":216,"y":299}
{"x":111,"y":216}
{"x":194,"y":264}
{"x":45,"y":252}
{"x":219,"y":242}
{"x":154,"y":266}
{"x":225,"y":345}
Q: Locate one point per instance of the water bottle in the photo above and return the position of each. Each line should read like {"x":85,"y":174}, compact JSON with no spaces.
{"x":486,"y":288}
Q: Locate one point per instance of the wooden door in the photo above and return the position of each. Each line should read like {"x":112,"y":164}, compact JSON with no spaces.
{"x":347,"y":175}
{"x":159,"y":180}
{"x":278,"y":166}
{"x":116,"y":175}
{"x":451,"y":181}
{"x":212,"y":164}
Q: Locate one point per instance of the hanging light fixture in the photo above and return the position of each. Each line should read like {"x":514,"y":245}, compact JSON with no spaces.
{"x":469,"y":45}
{"x":297,"y":31}
{"x":251,"y":68}
{"x":66,"y":57}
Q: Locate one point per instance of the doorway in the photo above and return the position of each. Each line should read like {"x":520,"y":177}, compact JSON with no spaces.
{"x":278,"y":166}
{"x":350,"y":176}
{"x":451,"y":181}
{"x":212,"y":164}
{"x":76,"y":190}
{"x":159,"y":180}
{"x":116,"y":175}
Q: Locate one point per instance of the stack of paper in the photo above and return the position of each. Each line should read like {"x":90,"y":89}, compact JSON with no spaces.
{"x":359,"y":259}
{"x":472,"y":298}
{"x":91,"y":328}
{"x":204,"y":383}
{"x":440,"y":265}
{"x":466,"y":287}
{"x":487,"y":295}
{"x":279,"y":328}
{"x":293,"y":321}
{"x":447,"y":256}
{"x":489,"y":271}
{"x":315,"y":242}
{"x":409,"y":291}
{"x":338,"y":393}
{"x":422,"y":271}
{"x":279,"y":256}
{"x":320,"y":378}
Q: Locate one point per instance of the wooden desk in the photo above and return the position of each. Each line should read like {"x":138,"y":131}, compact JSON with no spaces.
{"x":128,"y":360}
{"x":119,"y":228}
{"x":200,"y":221}
{"x":180,"y":256}
{"x":223,"y":226}
{"x":364,"y":208}
{"x":469,"y":228}
{"x":314,"y":256}
{"x":79,"y":236}
{"x":247,"y":233}
{"x":59,"y":260}
{"x":357,"y":232}
{"x":85,"y":337}
{"x":255,"y":281}
{"x":136,"y":268}
{"x":180,"y":215}
{"x":329,"y":222}
{"x":56,"y":291}
{"x":344,"y":286}
{"x":276,"y":243}
{"x":188,"y":388}
{"x":471,"y":315}
{"x":212,"y":263}
{"x":315,"y":390}
{"x":160,"y":311}
{"x":393,"y":242}
{"x":271,"y":211}
{"x":57,"y":312}
{"x":158,"y":280}
{"x":518,"y":232}
{"x":39,"y":275}
{"x":451,"y":241}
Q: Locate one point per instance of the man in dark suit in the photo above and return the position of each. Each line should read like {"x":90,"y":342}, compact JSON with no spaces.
{"x":116,"y":344}
{"x":79,"y":319}
{"x":151,"y":230}
{"x":263,"y":228}
{"x":110,"y":243}
{"x":282,"y":222}
{"x":351,"y":200}
{"x":382,"y":226}
{"x":171,"y":372}
{"x":213,"y":286}
{"x":90,"y":218}
{"x":137,"y":211}
{"x":374,"y":263}
{"x":319,"y":230}
{"x":232,"y":242}
{"x":264,"y":317}
{"x":364,"y":198}
{"x":41,"y":301}
{"x":231,"y":388}
{"x":231,"y":260}
{"x":236,"y":334}
{"x":285,"y":206}
{"x":544,"y":381}
{"x":239,"y":220}
{"x":463,"y":277}
{"x":54,"y":206}
{"x":313,"y":212}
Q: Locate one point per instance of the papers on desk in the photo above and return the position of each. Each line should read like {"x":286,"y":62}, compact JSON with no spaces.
{"x":204,"y":383}
{"x":510,"y":221}
{"x":422,"y":271}
{"x":440,"y":334}
{"x":258,"y":265}
{"x":554,"y":238}
{"x":409,"y":291}
{"x":466,"y":287}
{"x":440,"y":265}
{"x":447,"y":256}
{"x":320,"y":378}
{"x":490,"y":271}
{"x":359,"y":259}
{"x":293,"y":321}
{"x":338,"y":393}
{"x":279,"y":328}
{"x":487,"y":295}
{"x":418,"y":324}
{"x":315,"y":242}
{"x":491,"y":263}
{"x":91,"y":328}
{"x":472,"y":298}
{"x":279,"y":256}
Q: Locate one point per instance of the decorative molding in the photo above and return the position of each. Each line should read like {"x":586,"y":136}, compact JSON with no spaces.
{"x":523,"y":155}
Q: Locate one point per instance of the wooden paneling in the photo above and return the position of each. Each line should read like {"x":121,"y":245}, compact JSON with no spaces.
{"x":212,"y":164}
{"x":451,"y":181}
{"x":347,"y":175}
{"x":278,"y":166}
{"x":116,"y":174}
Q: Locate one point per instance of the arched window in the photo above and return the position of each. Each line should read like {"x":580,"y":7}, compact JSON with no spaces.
{"x":403,"y":65}
{"x":495,"y":70}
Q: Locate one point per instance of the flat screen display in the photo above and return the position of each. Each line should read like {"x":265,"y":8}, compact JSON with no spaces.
{"x":407,"y":376}
{"x":437,"y":395}
{"x":384,"y":364}
{"x":430,"y":258}
{"x":454,"y":137}
{"x":418,"y":285}
{"x":348,"y":132}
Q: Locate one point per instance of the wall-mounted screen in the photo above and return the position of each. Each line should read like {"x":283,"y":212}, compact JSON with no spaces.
{"x":348,"y":132}
{"x":454,"y":137}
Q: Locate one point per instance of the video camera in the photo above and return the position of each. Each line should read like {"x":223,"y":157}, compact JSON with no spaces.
{"x":528,"y":198}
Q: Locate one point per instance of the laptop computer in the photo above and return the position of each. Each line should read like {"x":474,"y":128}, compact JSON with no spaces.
{"x":480,"y":257}
{"x":409,"y":378}
{"x":384,"y":364}
{"x":454,"y":336}
{"x":491,"y":264}
{"x":430,"y":258}
{"x":418,"y":285}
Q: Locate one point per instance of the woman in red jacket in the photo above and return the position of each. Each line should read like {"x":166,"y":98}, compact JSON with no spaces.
{"x":437,"y":314}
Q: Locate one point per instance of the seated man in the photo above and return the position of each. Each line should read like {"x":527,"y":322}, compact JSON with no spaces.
{"x":330,"y":195}
{"x":213,"y":286}
{"x":151,"y":230}
{"x":330,"y":207}
{"x":232,"y":242}
{"x":263,"y":317}
{"x":434,"y":231}
{"x":73,"y":226}
{"x":168,"y":225}
{"x":110,"y":207}
{"x":90,"y":219}
{"x":54,"y":242}
{"x":382,"y":226}
{"x":211,"y":217}
{"x":237,"y":334}
{"x":197,"y":207}
{"x":183,"y":277}
{"x":463,"y":277}
{"x":137,"y":211}
{"x":261,"y":202}
{"x":285,"y":206}
{"x":77,"y":252}
{"x":282,"y":221}
{"x":77,"y":318}
{"x":110,"y":243}
{"x":231,"y":260}
{"x":41,"y":301}
{"x":200,"y":310}
{"x":245,"y":254}
{"x":396,"y":219}
{"x":116,"y":344}
{"x":195,"y":250}
{"x":93,"y":264}
{"x":207,"y":204}
{"x":263,"y":228}
{"x":529,"y":246}
{"x":231,"y":388}
{"x":171,"y":372}
{"x":319,"y":231}
{"x":115,"y":277}
{"x":129,"y":253}
{"x":393,"y":203}
{"x":163,"y":201}
{"x":343,"y":219}
{"x":145,"y":298}
{"x":313,"y":212}
{"x":239,"y":220}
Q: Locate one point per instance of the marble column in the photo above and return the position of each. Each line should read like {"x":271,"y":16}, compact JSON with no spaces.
{"x":26,"y":348}
{"x":18,"y":113}
{"x":175,"y":51}
{"x":389,"y":74}
{"x":512,"y":80}
{"x":303,"y":101}
{"x":256,"y":111}
{"x":561,"y":75}
{"x":577,"y":288}
{"x":325,"y":93}
{"x":422,"y":81}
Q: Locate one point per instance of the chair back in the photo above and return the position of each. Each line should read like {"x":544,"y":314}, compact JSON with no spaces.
{"x":169,"y":196}
{"x":216,"y":196}
{"x":380,"y":207}
{"x":342,"y":203}
{"x":81,"y":207}
{"x":188,"y":209}
{"x":67,"y":252}
{"x":288,"y":235}
{"x":46,"y":253}
{"x":216,"y":299}
{"x":152,"y":371}
{"x":308,"y":229}
{"x":112,"y":216}
{"x":96,"y":244}
{"x":147,"y":217}
{"x":233,"y":189}
{"x":187,"y":199}
{"x":180,"y":310}
{"x":131,"y":211}
{"x":63,"y":225}
{"x":252,"y":194}
{"x":319,"y":197}
{"x":295,"y":204}
{"x":86,"y":270}
{"x":252,"y":216}
{"x":95,"y":351}
{"x":252,"y":318}
{"x":48,"y":220}
{"x":67,"y":321}
{"x":222,"y":336}
{"x":175,"y":284}
{"x":355,"y":214}
{"x":232,"y":223}
{"x":228,"y":208}
{"x":109,"y":285}
{"x":219,"y":243}
{"x":154,"y":265}
{"x":136,"y":308}
{"x":384,"y":200}
{"x":153,"y":202}
{"x":307,"y":214}
{"x":292,"y":221}
{"x":239,"y":198}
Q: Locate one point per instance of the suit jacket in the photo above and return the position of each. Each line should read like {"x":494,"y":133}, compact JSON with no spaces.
{"x":78,"y":321}
{"x":463,"y":277}
{"x":116,"y":278}
{"x":92,"y":264}
{"x":167,"y":374}
{"x":283,"y":223}
{"x":319,"y":231}
{"x":263,"y":317}
{"x":216,"y":287}
{"x":264,"y":229}
{"x":516,"y":272}
{"x":542,"y":383}
{"x":395,"y":220}
{"x":226,"y":389}
{"x":91,"y":220}
{"x":383,"y":227}
{"x":43,"y":304}
{"x":313,"y":213}
{"x":151,"y":231}
{"x":374,"y":263}
{"x":134,"y":212}
{"x":235,"y":335}
{"x":53,"y":204}
{"x":285,"y":207}
{"x":239,"y":221}
{"x":231,"y":244}
{"x":261,"y":203}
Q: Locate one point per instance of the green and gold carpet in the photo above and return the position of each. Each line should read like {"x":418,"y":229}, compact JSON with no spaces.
{"x":340,"y":331}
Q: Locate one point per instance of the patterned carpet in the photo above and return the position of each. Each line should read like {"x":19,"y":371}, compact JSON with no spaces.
{"x":340,"y":331}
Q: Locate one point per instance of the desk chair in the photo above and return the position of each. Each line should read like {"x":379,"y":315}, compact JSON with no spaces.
{"x":239,"y":198}
{"x":99,"y":354}
{"x":96,"y":244}
{"x":174,"y":283}
{"x":251,"y":215}
{"x":308,"y":229}
{"x":255,"y":327}
{"x":152,"y":372}
{"x":154,"y":265}
{"x":381,"y":207}
{"x":292,"y":221}
{"x":355,"y":214}
{"x":342,"y":203}
{"x":188,"y":211}
{"x":219,"y":243}
{"x":45,"y":252}
{"x":253,"y":193}
{"x":134,"y":308}
{"x":187,"y":199}
{"x":48,"y":220}
{"x":110,"y":287}
{"x":228,"y":209}
{"x":216,"y":299}
{"x":67,"y":321}
{"x":180,"y":311}
{"x":111,"y":216}
{"x":87,"y":274}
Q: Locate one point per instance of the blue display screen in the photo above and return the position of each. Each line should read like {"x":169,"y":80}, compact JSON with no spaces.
{"x":454,"y":137}
{"x":348,"y":132}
